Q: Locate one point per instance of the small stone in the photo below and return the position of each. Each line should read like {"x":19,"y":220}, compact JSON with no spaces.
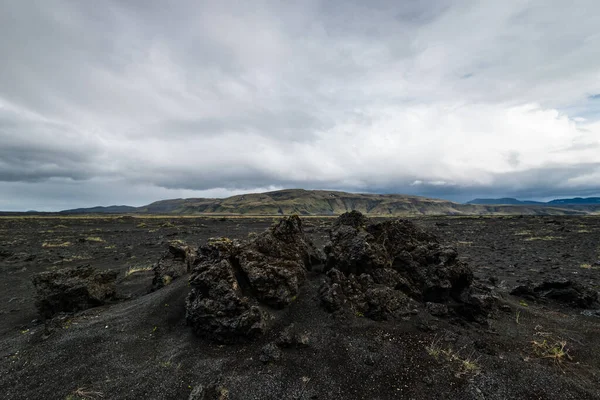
{"x":270,"y":353}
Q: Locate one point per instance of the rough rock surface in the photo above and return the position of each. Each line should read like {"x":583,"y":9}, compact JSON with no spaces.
{"x":561,"y":290}
{"x":382,"y":270}
{"x":217,"y":307}
{"x":72,"y":289}
{"x":275,"y":263}
{"x":270,"y":353}
{"x":233,"y":282}
{"x":176,"y":262}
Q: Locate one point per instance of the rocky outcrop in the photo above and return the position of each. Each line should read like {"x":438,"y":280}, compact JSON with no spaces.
{"x":218,"y":307}
{"x":560,"y":290}
{"x":235,"y":284}
{"x":176,"y":262}
{"x":382,"y":270}
{"x":72,"y":289}
{"x":275,"y":263}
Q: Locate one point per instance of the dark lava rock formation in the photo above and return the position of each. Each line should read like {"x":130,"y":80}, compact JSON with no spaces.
{"x":72,"y":289}
{"x":235,"y":285}
{"x":176,"y":262}
{"x":384,"y":270}
{"x":561,"y":290}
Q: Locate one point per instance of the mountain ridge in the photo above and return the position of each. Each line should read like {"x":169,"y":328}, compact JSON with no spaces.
{"x":513,"y":201}
{"x":330,"y":203}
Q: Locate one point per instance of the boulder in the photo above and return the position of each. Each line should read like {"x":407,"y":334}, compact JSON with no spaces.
{"x":176,"y":262}
{"x":291,"y":337}
{"x":560,"y":290}
{"x":270,"y":353}
{"x":380,"y":269}
{"x":217,"y":307}
{"x":234,"y":284}
{"x":275,"y":263}
{"x":73,"y":289}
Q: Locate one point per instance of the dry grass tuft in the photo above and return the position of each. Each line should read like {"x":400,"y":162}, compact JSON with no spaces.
{"x":135,"y":269}
{"x":94,"y":239}
{"x":55,"y":244}
{"x":83,"y":393}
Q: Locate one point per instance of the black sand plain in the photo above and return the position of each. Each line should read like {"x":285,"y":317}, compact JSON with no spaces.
{"x":139,"y":346}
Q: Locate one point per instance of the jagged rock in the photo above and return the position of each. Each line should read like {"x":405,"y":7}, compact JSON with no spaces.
{"x":437,"y":309}
{"x":290,"y":337}
{"x":561,"y":290}
{"x":275,"y":262}
{"x":176,"y":262}
{"x":362,"y":296}
{"x":72,"y":289}
{"x":217,"y":307}
{"x":376,"y":269}
{"x":270,"y":353}
{"x":231,"y":281}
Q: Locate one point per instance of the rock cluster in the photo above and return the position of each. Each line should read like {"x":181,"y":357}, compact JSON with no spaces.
{"x":176,"y":262}
{"x":73,"y":289}
{"x":561,"y":290}
{"x":235,"y":284}
{"x":382,"y":270}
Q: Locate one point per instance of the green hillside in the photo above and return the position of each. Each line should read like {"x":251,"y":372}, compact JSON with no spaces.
{"x":325,"y":202}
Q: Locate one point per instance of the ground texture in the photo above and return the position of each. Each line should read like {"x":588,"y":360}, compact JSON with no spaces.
{"x":138,"y":344}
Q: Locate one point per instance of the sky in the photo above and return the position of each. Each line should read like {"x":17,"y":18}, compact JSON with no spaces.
{"x":129,"y":102}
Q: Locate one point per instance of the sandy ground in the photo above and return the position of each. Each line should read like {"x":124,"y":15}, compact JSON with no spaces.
{"x":140,"y":347}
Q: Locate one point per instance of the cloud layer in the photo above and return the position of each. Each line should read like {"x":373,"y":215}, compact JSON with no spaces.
{"x":129,"y":102}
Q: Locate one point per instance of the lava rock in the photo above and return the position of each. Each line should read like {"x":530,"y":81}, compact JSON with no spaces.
{"x":275,"y":262}
{"x":73,"y":289}
{"x":360,"y":295}
{"x":290,"y":337}
{"x":379,"y":268}
{"x":561,"y":290}
{"x":232,"y":282}
{"x":436,"y":309}
{"x":270,"y":353}
{"x":176,"y":262}
{"x":217,"y":307}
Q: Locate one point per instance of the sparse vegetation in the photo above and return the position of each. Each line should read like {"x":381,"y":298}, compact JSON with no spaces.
{"x":94,"y":239}
{"x":533,"y":238}
{"x":56,"y":244}
{"x":553,"y":349}
{"x":466,"y":365}
{"x":84,"y":394}
{"x":136,"y":269}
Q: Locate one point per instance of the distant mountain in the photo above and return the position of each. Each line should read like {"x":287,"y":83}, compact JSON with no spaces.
{"x":102,"y":210}
{"x":326,"y":202}
{"x":505,"y":200}
{"x":562,"y":202}
{"x":576,"y":201}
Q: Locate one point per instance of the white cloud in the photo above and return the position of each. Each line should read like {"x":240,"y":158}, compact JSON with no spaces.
{"x":419,"y":97}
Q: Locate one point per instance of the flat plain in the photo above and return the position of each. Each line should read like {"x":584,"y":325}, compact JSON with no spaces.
{"x":140,"y":347}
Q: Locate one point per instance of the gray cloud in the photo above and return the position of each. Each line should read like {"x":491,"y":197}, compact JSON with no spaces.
{"x":148,"y":98}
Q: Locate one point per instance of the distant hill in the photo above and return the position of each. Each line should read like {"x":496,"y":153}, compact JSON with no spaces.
{"x":512,"y":201}
{"x":505,"y":200}
{"x":326,"y":202}
{"x":306,"y":202}
{"x":102,"y":210}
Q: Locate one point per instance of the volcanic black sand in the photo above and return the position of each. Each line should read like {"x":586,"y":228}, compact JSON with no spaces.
{"x":139,"y":346}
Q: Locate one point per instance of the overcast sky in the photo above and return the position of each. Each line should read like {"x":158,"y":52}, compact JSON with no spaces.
{"x":128,"y":102}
